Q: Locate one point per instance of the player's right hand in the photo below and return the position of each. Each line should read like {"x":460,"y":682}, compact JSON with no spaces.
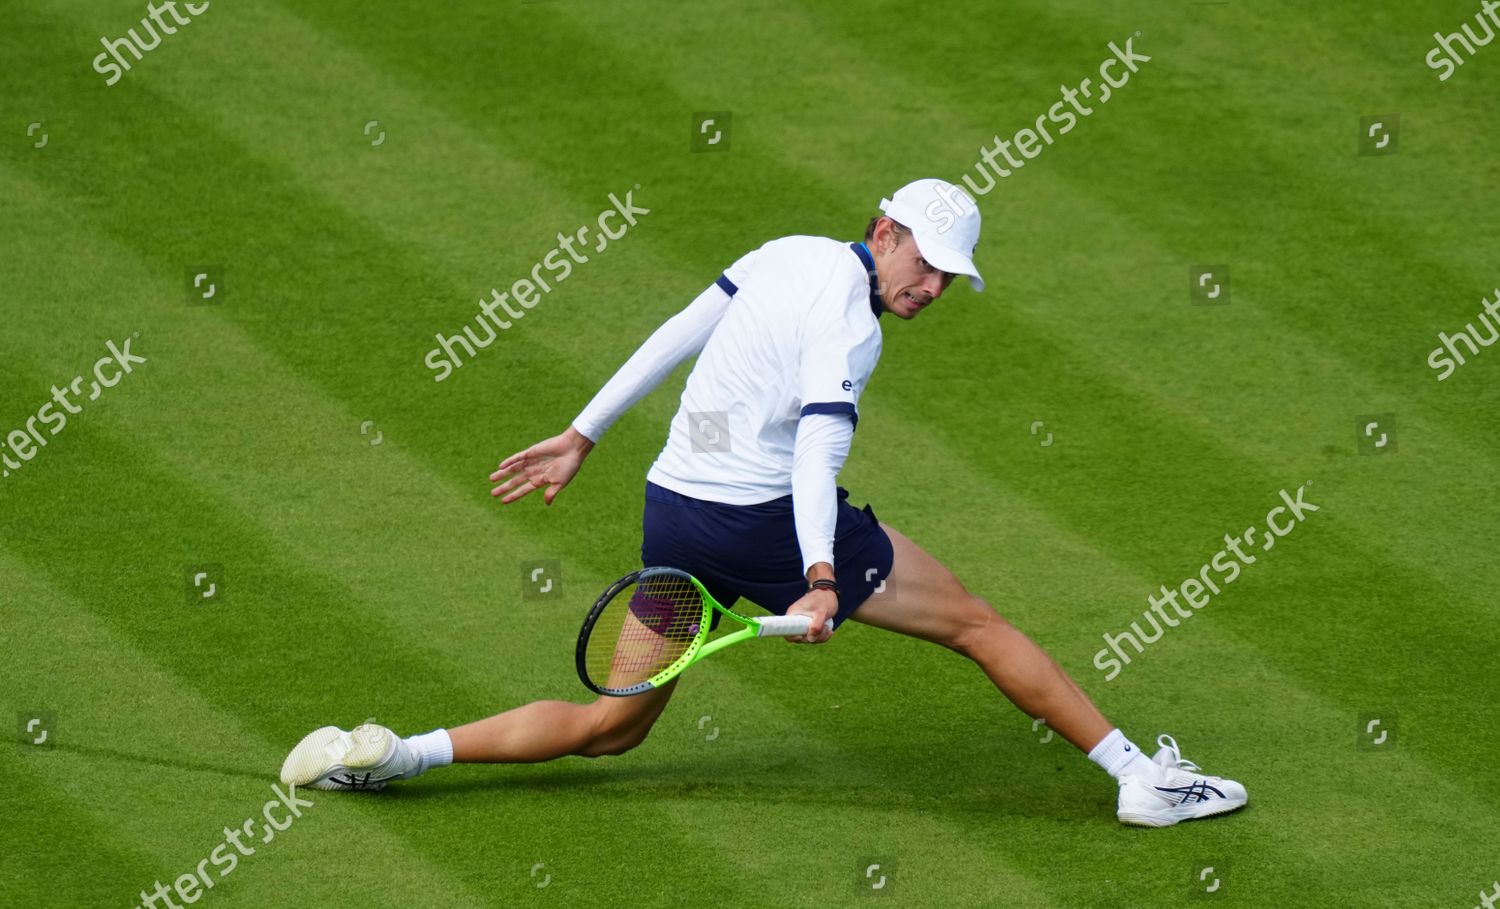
{"x":820,"y":606}
{"x":549,"y":465}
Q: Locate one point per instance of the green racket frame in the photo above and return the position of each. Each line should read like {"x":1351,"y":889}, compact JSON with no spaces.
{"x":700,"y":648}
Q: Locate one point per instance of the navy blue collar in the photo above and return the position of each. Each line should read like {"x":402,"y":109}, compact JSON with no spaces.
{"x":877,"y":305}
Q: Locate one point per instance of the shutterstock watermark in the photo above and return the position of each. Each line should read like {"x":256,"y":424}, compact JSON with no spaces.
{"x":1446,"y":57}
{"x":445,"y":358}
{"x":541,"y":578}
{"x":1471,"y":338}
{"x":189,"y":887}
{"x":28,"y":442}
{"x":1032,"y":140}
{"x":154,"y":24}
{"x":1200,"y":589}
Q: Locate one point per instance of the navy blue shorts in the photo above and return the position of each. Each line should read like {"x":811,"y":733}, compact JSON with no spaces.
{"x":751,"y":551}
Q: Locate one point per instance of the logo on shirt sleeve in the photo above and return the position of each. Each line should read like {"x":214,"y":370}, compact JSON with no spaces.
{"x":848,"y":386}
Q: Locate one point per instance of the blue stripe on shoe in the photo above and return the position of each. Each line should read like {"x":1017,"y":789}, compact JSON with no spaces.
{"x":1198,"y":791}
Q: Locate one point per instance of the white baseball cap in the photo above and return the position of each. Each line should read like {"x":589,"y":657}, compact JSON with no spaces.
{"x":944,"y":220}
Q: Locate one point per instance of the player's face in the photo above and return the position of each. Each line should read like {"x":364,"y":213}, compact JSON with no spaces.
{"x":909,"y":283}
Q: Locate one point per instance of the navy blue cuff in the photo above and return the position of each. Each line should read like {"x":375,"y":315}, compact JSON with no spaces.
{"x":727,"y":285}
{"x":843,"y":407}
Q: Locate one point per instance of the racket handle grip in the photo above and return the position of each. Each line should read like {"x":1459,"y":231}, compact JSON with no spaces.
{"x":787,"y":626}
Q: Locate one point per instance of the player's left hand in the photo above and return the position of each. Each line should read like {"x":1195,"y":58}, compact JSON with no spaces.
{"x":820,"y":606}
{"x":549,"y":464}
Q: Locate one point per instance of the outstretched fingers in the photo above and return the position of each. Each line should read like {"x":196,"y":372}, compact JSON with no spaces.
{"x":514,"y":488}
{"x":511,"y":464}
{"x":548,"y":465}
{"x":518,"y":480}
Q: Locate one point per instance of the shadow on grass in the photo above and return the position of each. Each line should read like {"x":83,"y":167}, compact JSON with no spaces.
{"x":889,"y":781}
{"x":112,"y":754}
{"x":1042,"y":791}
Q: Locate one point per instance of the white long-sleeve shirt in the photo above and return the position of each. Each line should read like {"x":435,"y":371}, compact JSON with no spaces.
{"x":788,"y":338}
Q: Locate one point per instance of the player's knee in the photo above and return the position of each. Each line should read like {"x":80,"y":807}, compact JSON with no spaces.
{"x":975,"y":624}
{"x":613,"y":735}
{"x":615,"y":742}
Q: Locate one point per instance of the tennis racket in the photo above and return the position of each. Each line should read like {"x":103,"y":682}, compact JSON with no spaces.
{"x":652,"y":624}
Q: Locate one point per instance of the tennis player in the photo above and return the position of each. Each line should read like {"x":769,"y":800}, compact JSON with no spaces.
{"x":744,"y":497}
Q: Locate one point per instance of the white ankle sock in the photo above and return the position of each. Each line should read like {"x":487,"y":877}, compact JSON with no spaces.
{"x":1120,"y":757}
{"x":434,"y":749}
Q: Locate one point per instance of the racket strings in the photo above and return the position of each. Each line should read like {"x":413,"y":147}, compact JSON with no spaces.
{"x":644,"y":629}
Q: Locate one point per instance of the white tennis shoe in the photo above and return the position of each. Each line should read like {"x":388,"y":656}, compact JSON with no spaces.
{"x":366,"y":758}
{"x":1181,"y":792}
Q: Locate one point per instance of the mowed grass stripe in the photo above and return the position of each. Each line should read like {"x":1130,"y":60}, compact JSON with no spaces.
{"x":146,"y":761}
{"x":922,"y":858}
{"x":51,"y":835}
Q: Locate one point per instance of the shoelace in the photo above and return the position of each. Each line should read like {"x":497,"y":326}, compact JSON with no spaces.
{"x":1178,"y":761}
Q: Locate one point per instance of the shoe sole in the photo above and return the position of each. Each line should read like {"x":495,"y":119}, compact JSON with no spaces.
{"x":1170,"y":816}
{"x":330,"y":750}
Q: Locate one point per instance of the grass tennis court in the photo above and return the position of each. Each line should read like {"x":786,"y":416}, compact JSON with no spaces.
{"x":353,"y":580}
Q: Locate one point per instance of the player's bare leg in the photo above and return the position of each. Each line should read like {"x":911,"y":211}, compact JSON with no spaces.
{"x":925,"y":600}
{"x":370,"y":756}
{"x":543,"y":730}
